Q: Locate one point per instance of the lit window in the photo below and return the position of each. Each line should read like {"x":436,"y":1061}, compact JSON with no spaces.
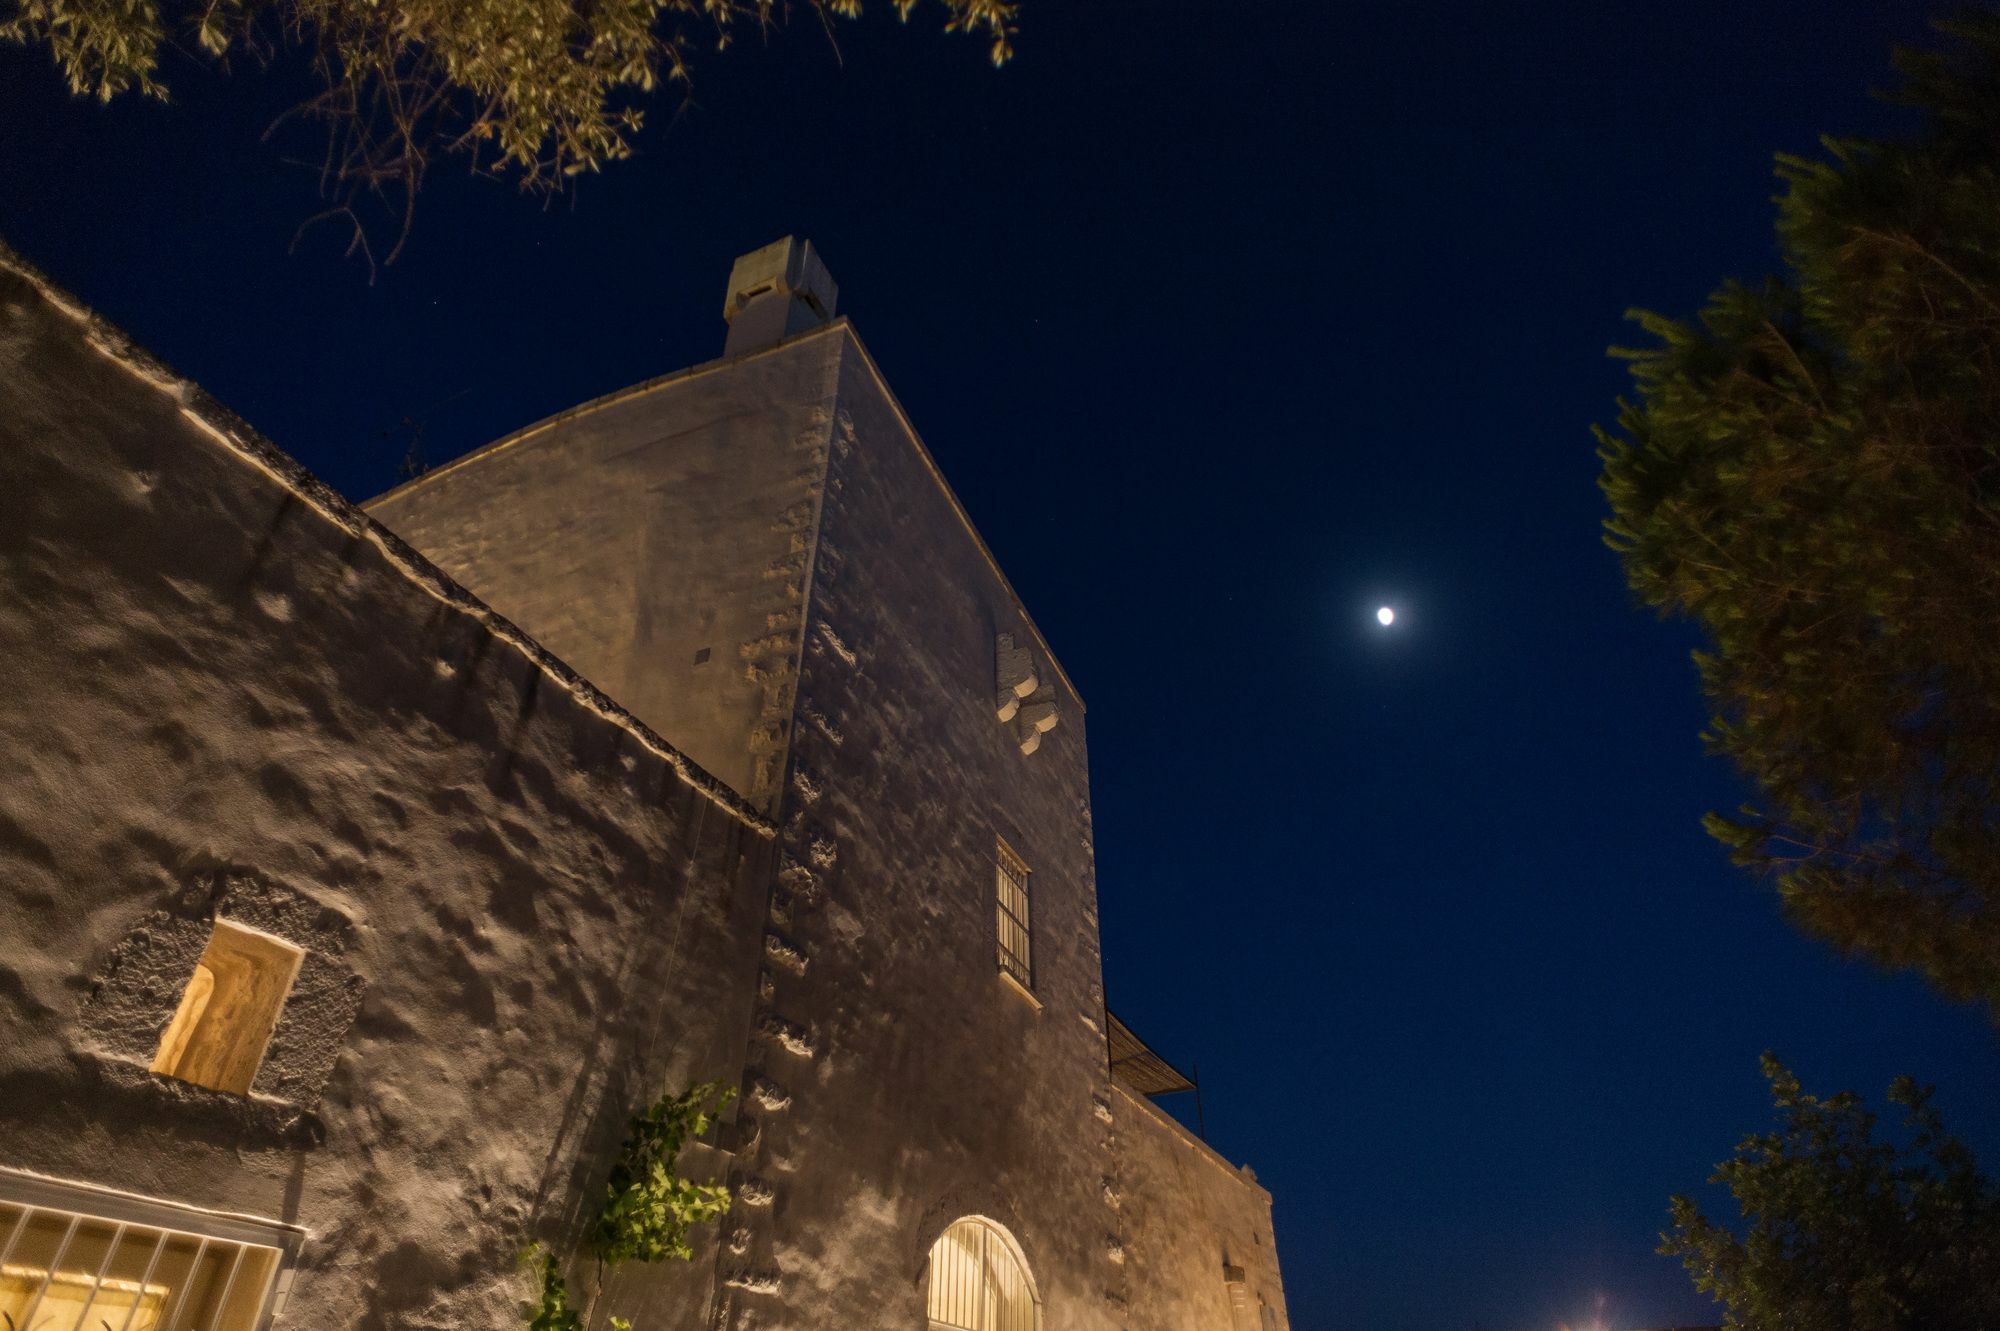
{"x":979,"y":1280}
{"x":130,"y":1264}
{"x":227,"y":1011}
{"x":1011,"y":912}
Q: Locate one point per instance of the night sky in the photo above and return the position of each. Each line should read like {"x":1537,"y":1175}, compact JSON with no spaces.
{"x":1228,"y":323}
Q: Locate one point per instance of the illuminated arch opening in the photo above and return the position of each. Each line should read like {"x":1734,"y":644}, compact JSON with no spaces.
{"x":980,"y":1281}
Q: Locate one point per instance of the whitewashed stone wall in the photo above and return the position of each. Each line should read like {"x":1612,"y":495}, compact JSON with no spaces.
{"x":523,"y":911}
{"x":222,"y":688}
{"x":894,"y":1080}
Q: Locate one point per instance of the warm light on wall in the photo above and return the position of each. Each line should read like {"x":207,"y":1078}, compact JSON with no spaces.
{"x":65,"y":1270}
{"x":979,"y":1280}
{"x":228,"y":1010}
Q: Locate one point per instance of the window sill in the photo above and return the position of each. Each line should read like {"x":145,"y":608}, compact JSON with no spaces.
{"x":1022,"y":990}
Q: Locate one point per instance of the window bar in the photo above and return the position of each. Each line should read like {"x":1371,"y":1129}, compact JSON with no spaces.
{"x":996,"y":1280}
{"x":181,"y":1295}
{"x":973,"y":1290}
{"x":969,"y":1272}
{"x":1018,"y":1307}
{"x":55,"y":1264}
{"x":152,"y":1264}
{"x":1003,"y":1293}
{"x":235,"y":1269}
{"x":103,"y":1269}
{"x":20,"y":1228}
{"x":1006,"y":1289}
{"x":1013,"y":906}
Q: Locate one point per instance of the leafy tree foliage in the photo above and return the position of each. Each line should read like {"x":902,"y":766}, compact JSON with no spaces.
{"x":1845,"y":1232}
{"x":534,"y":90}
{"x":1811,"y":472}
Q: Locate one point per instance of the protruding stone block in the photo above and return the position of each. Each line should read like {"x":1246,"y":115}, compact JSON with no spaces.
{"x":769,"y":1094}
{"x":1037,"y":717}
{"x":784,"y":952}
{"x":1014,"y":668}
{"x":788,"y":1035}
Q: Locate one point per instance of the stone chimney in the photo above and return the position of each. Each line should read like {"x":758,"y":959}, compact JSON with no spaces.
{"x":775,"y":292}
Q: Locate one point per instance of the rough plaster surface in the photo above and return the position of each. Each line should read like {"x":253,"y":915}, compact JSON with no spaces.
{"x":133,"y":998}
{"x":524,"y":912}
{"x":527,"y":911}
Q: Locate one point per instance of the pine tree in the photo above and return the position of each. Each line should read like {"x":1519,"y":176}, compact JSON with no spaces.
{"x":1811,"y":472}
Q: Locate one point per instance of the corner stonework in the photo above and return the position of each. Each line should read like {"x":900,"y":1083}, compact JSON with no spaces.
{"x":1021,"y":698}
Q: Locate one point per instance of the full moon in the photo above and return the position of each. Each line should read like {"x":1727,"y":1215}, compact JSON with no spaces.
{"x":1385,"y":616}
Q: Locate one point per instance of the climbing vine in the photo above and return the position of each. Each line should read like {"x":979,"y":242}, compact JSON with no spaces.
{"x":648,"y":1208}
{"x":550,"y":1310}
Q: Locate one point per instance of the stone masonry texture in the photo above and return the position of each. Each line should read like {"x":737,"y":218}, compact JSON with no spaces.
{"x":673,"y":756}
{"x":225,"y":691}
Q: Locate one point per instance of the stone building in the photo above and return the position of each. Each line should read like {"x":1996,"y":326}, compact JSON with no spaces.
{"x":364,"y":872}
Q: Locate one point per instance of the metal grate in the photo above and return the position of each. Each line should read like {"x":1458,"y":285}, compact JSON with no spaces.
{"x":979,"y":1282}
{"x":1012,"y":914}
{"x":70,"y":1270}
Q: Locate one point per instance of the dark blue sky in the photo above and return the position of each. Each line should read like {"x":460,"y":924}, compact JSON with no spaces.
{"x":1228,"y":323}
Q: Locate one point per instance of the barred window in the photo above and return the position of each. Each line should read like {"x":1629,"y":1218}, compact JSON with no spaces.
{"x":74,"y":1256}
{"x":1012,"y":914}
{"x":980,"y":1281}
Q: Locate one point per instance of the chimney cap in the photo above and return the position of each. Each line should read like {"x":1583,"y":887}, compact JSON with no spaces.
{"x":790,"y":268}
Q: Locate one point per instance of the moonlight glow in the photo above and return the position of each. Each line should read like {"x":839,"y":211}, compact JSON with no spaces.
{"x":1385,"y":616}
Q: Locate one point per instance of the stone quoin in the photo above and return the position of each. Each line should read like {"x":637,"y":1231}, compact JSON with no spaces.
{"x":367,"y":868}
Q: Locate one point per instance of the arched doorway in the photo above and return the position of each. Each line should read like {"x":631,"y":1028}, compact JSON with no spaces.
{"x":980,"y":1280}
